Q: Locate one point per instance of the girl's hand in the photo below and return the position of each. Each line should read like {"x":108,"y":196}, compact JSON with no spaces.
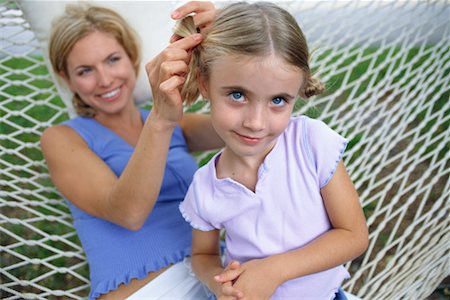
{"x":166,"y":73}
{"x":257,"y":279}
{"x":204,"y":14}
{"x":232,"y":272}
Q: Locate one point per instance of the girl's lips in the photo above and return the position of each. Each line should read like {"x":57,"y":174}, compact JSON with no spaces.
{"x":249,"y":140}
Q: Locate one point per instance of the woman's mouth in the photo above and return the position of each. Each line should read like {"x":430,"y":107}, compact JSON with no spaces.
{"x":111,"y":94}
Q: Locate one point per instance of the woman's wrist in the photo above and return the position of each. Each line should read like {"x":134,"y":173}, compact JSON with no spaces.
{"x":161,"y":124}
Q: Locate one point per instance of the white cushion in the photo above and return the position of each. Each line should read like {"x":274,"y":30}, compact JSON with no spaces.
{"x":150,"y":19}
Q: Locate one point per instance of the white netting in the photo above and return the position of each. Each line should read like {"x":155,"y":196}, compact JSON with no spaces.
{"x":40,"y":253}
{"x":386,"y":65}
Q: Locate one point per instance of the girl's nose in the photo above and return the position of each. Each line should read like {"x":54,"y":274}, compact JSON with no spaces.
{"x":255,"y":119}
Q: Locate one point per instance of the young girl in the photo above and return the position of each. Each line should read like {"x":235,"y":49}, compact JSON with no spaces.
{"x":279,"y":188}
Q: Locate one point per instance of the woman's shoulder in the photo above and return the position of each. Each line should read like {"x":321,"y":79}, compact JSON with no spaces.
{"x":59,"y":141}
{"x":59,"y":134}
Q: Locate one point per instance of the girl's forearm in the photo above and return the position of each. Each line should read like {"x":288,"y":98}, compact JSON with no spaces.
{"x":205,"y":267}
{"x":331,"y":249}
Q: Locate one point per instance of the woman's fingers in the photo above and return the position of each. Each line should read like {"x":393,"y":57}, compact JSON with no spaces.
{"x":202,"y":20}
{"x":204,"y":14}
{"x":171,"y":85}
{"x":204,"y":8}
{"x":171,"y":68}
{"x":188,"y":42}
{"x":164,"y":65}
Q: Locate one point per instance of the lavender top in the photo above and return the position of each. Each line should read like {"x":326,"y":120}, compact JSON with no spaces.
{"x":285,"y":212}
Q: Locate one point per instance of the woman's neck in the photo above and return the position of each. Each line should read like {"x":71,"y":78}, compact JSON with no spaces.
{"x":127,"y":124}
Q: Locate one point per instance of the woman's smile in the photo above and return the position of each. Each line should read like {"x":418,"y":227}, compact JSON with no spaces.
{"x":112,"y":95}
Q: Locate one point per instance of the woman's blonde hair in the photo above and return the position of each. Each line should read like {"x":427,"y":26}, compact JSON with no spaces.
{"x":256,"y":29}
{"x":78,"y":21}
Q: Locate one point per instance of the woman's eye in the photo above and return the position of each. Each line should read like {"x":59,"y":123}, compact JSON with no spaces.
{"x":278,"y":101}
{"x":84,"y":71}
{"x":237,"y":96}
{"x":113,"y":59}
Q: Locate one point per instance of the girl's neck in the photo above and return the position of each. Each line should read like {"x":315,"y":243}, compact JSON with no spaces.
{"x":241,"y":169}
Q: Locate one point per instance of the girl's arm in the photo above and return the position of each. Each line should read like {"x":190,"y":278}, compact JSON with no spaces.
{"x":206,"y":257}
{"x":347,"y":239}
{"x":206,"y":263}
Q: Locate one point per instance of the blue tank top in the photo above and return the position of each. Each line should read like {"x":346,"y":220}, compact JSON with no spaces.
{"x":115,"y":254}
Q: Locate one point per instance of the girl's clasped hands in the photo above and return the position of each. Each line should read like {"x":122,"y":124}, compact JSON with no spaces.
{"x":251,"y":280}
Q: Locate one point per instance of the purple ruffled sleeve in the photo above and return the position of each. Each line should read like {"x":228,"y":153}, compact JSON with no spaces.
{"x":325,"y":149}
{"x":191,"y":209}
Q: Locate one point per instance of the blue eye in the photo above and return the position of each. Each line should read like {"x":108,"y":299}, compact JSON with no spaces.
{"x":113,"y":59}
{"x":237,"y":96}
{"x":278,"y":101}
{"x":83,"y":71}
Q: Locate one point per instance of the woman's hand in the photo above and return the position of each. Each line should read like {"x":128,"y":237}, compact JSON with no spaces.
{"x":166,"y":73}
{"x":204,"y":14}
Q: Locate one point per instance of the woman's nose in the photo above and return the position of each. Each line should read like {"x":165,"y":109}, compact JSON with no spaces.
{"x":104,"y":78}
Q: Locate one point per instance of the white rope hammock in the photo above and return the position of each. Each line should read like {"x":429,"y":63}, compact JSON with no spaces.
{"x":387,"y":69}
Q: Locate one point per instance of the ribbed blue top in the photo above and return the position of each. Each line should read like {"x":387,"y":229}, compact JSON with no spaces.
{"x":115,"y":254}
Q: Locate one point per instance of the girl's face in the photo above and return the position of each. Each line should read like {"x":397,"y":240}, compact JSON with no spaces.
{"x":101,"y":73}
{"x":251,"y":101}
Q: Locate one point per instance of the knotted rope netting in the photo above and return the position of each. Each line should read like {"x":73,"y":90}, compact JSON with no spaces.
{"x":386,"y":65}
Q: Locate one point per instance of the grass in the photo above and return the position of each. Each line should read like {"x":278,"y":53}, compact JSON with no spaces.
{"x":31,"y":105}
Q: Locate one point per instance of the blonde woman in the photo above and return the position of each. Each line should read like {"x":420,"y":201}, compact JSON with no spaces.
{"x":124,"y":170}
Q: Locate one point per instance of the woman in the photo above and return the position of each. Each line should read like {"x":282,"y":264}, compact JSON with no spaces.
{"x":122,"y":169}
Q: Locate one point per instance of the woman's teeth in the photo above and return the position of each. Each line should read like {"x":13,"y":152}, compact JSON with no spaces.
{"x":111,"y":94}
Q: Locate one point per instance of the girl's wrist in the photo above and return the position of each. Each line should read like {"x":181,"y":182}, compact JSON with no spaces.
{"x":215,"y":286}
{"x":275,"y":264}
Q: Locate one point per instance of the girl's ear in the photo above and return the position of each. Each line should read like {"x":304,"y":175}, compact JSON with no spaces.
{"x":203,"y":86}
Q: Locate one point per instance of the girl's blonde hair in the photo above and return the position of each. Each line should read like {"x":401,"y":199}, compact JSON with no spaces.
{"x":79,"y":21}
{"x":256,"y":29}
